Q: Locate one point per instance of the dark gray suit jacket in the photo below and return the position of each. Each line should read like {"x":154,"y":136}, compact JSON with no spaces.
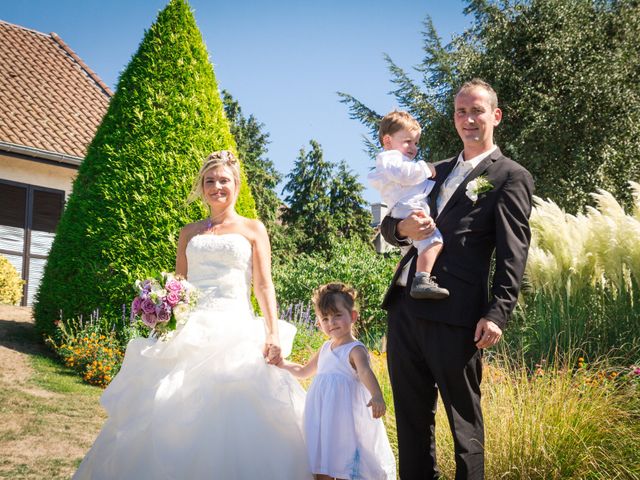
{"x":498,"y":221}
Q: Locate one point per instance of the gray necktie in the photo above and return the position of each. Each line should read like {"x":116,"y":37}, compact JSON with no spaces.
{"x":453,"y":181}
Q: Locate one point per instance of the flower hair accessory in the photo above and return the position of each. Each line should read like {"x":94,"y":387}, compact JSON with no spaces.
{"x":477,"y":186}
{"x":224,"y":155}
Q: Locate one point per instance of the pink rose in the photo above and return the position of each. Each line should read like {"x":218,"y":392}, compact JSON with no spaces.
{"x":172,"y":298}
{"x":173,"y":285}
{"x":148,"y":306}
{"x":149,"y":319}
{"x":163,"y":312}
{"x":136,"y":306}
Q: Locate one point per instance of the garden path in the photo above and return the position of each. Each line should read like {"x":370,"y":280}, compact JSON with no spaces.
{"x":48,"y":419}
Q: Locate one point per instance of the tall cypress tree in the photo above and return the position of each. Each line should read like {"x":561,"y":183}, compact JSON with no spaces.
{"x":128,"y":202}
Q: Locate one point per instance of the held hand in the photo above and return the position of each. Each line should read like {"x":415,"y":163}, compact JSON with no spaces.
{"x":416,"y":226}
{"x":487,"y":333}
{"x":378,"y":407}
{"x":272,"y":353}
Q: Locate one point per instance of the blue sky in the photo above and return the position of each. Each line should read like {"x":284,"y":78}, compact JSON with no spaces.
{"x":283,"y":60}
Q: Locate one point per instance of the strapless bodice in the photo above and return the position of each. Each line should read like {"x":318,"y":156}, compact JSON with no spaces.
{"x":219,"y":266}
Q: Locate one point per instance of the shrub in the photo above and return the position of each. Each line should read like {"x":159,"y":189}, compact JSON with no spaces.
{"x":91,"y":348}
{"x":309,"y":338}
{"x":352,"y":262}
{"x":128,"y":202}
{"x":10,"y":283}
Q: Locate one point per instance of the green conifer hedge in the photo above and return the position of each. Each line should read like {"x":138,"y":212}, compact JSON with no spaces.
{"x":122,"y":220}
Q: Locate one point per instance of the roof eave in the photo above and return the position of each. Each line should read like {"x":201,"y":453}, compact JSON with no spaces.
{"x":41,"y":154}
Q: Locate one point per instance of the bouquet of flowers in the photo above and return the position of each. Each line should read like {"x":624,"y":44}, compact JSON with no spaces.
{"x":162,"y":303}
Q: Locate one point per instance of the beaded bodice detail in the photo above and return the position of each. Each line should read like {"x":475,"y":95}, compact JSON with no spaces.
{"x":219,"y":266}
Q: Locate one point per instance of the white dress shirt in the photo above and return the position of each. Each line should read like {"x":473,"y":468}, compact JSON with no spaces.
{"x":457,"y":175}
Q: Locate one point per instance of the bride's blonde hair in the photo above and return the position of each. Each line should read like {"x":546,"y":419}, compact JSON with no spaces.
{"x":221,"y":158}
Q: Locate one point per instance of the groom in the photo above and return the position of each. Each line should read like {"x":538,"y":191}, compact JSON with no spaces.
{"x":481,"y":203}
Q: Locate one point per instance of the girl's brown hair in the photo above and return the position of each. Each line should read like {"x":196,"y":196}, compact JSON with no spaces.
{"x":327,"y":299}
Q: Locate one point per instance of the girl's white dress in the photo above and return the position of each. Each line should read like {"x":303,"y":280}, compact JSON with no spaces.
{"x":204,"y":404}
{"x":343,"y":438}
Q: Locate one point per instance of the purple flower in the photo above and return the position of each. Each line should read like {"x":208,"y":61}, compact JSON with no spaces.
{"x":136,"y":306}
{"x":173,"y":285}
{"x":163,"y":312}
{"x":636,"y":371}
{"x":149,"y":319}
{"x":148,"y":306}
{"x":172,"y":298}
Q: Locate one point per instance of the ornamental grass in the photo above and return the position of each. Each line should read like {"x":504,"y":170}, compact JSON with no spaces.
{"x":555,"y":421}
{"x":582,"y":281}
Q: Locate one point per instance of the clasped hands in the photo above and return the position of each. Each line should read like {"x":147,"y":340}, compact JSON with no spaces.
{"x":272,"y":353}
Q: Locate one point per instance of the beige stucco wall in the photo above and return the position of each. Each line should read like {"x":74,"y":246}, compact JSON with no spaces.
{"x":37,"y":173}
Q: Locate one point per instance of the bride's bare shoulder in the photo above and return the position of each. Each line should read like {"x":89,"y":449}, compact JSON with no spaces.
{"x":190,"y":230}
{"x":253,"y":228}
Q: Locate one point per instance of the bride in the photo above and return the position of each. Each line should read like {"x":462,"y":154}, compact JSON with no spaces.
{"x":205,"y":404}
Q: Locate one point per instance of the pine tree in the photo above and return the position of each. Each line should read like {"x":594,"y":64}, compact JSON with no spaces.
{"x":324,"y":203}
{"x":308,"y":201}
{"x":351,"y":220}
{"x":128,"y":203}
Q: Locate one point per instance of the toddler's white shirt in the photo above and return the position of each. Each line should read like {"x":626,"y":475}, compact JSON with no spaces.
{"x":397,"y":177}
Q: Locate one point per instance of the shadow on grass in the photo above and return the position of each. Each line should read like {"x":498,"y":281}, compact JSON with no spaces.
{"x":50,"y":374}
{"x":21,"y":337}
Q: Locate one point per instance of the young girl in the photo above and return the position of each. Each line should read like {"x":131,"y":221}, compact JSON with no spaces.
{"x":344,"y":439}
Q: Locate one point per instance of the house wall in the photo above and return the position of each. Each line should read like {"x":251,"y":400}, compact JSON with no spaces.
{"x":37,"y":173}
{"x":26,"y":235}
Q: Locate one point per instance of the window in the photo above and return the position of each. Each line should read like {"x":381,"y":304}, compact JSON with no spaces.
{"x":29,"y":216}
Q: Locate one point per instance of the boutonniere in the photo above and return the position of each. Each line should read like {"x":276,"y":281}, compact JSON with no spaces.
{"x":477,"y":186}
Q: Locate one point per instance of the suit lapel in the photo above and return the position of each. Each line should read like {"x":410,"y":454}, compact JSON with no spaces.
{"x":475,"y":173}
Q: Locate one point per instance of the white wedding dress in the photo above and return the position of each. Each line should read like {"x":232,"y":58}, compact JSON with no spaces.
{"x":204,"y":404}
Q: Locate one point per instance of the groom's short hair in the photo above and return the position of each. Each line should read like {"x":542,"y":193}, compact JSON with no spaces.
{"x":479,"y":83}
{"x":395,"y":121}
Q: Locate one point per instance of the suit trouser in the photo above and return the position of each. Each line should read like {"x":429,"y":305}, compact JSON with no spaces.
{"x":425,"y":358}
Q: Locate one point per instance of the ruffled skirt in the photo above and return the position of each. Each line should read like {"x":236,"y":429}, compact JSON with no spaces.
{"x":202,"y":405}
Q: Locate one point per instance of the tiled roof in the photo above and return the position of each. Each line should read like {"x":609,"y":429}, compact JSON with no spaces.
{"x":49,"y":99}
